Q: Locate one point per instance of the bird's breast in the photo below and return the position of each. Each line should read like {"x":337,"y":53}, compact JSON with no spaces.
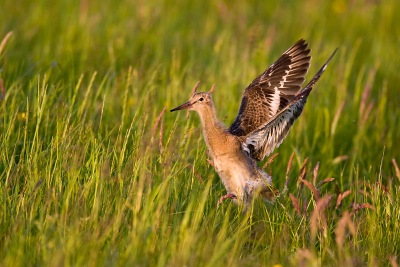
{"x":234,"y":171}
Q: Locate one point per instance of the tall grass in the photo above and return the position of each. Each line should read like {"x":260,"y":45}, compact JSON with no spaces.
{"x":88,"y":178}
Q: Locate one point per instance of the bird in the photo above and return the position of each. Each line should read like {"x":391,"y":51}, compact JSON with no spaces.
{"x":269,"y":107}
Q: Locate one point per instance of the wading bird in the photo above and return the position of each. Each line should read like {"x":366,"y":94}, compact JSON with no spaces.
{"x":270,"y":105}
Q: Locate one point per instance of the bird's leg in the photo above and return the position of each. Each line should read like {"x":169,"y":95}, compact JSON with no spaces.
{"x":231,"y":196}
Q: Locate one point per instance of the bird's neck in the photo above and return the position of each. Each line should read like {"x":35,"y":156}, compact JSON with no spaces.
{"x":214,"y":131}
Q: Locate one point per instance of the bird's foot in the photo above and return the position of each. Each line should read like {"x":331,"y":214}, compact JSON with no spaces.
{"x":231,"y":196}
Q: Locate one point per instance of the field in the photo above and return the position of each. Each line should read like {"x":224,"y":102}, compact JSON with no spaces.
{"x":88,"y":177}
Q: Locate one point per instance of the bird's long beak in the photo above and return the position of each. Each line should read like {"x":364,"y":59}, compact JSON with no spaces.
{"x":187,"y":105}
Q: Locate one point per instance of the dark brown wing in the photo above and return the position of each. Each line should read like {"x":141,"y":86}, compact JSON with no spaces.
{"x":262,"y":141}
{"x":273,"y":90}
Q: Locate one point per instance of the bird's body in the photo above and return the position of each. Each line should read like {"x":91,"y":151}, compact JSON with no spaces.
{"x":238,"y":172}
{"x":270,"y":105}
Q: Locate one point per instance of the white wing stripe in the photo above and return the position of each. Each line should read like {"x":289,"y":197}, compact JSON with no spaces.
{"x":275,"y":101}
{"x":271,"y":135}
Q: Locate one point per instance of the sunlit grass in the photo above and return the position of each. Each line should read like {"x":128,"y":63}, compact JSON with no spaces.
{"x":87,"y":179}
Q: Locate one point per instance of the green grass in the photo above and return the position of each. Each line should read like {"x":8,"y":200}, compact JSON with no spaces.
{"x":83,"y":181}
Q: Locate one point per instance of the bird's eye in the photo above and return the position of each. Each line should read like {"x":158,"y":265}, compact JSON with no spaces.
{"x":201,"y":99}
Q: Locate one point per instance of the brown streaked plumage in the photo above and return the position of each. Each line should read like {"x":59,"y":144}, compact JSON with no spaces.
{"x":263,"y":140}
{"x":270,"y":105}
{"x":272,"y":90}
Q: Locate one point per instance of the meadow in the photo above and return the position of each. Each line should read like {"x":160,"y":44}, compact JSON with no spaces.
{"x":91,"y":175}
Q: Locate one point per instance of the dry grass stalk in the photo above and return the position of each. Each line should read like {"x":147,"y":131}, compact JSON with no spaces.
{"x":364,"y":98}
{"x":303,"y":171}
{"x":13,"y":174}
{"x":289,"y":164}
{"x":340,"y":198}
{"x":312,"y":188}
{"x":385,"y":190}
{"x":288,"y":169}
{"x":211,"y":162}
{"x":340,"y":230}
{"x":396,"y":169}
{"x":367,"y":112}
{"x":336,"y":118}
{"x":295,"y":204}
{"x":339,"y":159}
{"x":4,"y":41}
{"x":318,"y":214}
{"x":3,"y":91}
{"x":315,"y":173}
{"x":305,"y":206}
{"x":231,"y":196}
{"x":356,"y":207}
{"x":193,"y":91}
{"x":337,"y":190}
{"x":190,"y":167}
{"x":304,"y":257}
{"x":327,"y":180}
{"x":83,"y":8}
{"x":364,"y":193}
{"x":157,"y":122}
{"x":284,"y":208}
{"x":269,"y":161}
{"x":38,"y":183}
{"x":161,"y":135}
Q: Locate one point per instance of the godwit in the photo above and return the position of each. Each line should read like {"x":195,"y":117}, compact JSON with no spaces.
{"x":270,"y":105}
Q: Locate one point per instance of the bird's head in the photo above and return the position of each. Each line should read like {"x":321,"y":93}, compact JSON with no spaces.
{"x":198,"y":101}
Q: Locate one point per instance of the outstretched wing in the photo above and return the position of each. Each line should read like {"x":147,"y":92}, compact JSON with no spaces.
{"x":270,"y":92}
{"x":262,"y":141}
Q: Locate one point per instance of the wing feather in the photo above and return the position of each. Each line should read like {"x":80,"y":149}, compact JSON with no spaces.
{"x":262,"y":141}
{"x":272,"y":90}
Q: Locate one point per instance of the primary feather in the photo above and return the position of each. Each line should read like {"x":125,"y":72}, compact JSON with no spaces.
{"x":273,"y":90}
{"x":263,"y":140}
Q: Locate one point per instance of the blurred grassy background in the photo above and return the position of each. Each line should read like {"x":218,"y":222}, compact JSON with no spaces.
{"x":84,"y":181}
